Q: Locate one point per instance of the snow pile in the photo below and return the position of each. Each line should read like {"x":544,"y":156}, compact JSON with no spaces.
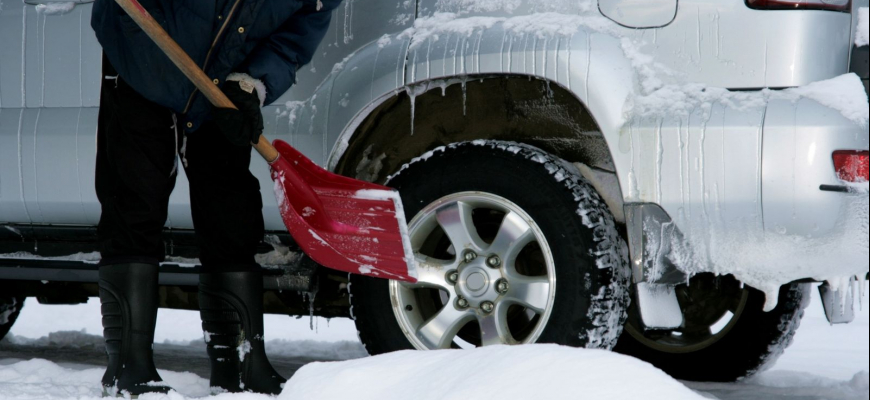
{"x":844,"y":93}
{"x":766,"y":260}
{"x":55,"y":8}
{"x":862,"y":36}
{"x":500,"y":372}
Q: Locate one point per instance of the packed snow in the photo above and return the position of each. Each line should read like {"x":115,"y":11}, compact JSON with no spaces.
{"x":498,"y":372}
{"x":825,"y":362}
{"x":862,"y":36}
{"x":55,"y":8}
{"x":493,"y":372}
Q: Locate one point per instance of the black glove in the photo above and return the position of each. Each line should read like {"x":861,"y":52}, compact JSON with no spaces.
{"x":244,"y":126}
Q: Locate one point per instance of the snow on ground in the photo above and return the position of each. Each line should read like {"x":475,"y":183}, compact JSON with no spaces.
{"x":502,"y":372}
{"x":824,"y":363}
{"x":173,"y":326}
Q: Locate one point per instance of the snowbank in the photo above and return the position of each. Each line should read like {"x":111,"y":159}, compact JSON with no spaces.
{"x":525,"y":372}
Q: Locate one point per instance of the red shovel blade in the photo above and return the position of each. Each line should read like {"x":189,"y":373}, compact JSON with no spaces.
{"x":342,"y":223}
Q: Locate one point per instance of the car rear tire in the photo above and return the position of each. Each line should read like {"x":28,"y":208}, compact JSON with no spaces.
{"x":726,"y":335}
{"x":10,"y":308}
{"x":492,"y":190}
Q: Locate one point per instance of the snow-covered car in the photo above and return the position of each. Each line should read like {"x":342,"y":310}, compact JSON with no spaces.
{"x":664,"y":178}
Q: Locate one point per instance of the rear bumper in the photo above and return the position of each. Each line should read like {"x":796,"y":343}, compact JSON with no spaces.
{"x":802,"y":194}
{"x":815,"y":225}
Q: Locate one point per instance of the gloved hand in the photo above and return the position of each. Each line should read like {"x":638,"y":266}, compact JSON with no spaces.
{"x":244,"y":126}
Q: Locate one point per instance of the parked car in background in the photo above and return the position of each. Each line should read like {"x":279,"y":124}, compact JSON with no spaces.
{"x":565,"y":182}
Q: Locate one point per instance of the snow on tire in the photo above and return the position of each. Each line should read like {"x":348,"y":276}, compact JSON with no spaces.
{"x":514,"y":247}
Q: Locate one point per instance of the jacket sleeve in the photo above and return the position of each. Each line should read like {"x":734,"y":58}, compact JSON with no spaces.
{"x":276,"y":60}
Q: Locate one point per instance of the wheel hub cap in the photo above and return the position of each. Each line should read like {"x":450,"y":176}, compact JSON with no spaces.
{"x":476,"y":282}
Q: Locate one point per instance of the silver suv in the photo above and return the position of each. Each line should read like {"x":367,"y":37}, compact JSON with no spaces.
{"x":566,"y":183}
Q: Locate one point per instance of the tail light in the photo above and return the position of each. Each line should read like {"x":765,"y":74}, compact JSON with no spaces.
{"x":852,"y":166}
{"x":830,"y":5}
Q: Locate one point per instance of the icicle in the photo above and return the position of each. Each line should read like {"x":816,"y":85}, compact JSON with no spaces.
{"x":413,"y":98}
{"x":311,"y":296}
{"x":413,"y":92}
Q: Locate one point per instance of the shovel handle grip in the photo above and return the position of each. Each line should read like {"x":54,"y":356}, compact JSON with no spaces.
{"x":187,"y":66}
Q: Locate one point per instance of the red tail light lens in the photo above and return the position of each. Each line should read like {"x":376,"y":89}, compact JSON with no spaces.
{"x":852,"y":166}
{"x":830,"y":5}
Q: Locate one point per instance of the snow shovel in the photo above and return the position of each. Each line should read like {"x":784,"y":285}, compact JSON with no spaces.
{"x":341,"y":223}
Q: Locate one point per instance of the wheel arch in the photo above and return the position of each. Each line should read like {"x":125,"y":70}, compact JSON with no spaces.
{"x":517,"y":108}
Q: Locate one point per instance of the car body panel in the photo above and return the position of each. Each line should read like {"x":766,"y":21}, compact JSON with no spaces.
{"x":639,"y":13}
{"x":709,"y":167}
{"x":799,"y":140}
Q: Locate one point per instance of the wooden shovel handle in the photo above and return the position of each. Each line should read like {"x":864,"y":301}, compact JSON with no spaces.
{"x":188,"y":67}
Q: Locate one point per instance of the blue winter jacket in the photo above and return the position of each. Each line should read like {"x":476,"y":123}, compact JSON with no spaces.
{"x":267,"y":39}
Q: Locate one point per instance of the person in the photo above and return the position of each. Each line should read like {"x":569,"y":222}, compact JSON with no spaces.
{"x":151,"y":117}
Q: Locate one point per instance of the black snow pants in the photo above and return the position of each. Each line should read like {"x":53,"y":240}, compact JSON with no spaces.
{"x":139,"y":152}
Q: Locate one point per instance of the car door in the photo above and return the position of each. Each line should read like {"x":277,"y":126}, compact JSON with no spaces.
{"x":49,"y":86}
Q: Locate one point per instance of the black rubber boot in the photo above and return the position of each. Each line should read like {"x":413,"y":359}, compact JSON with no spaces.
{"x":231,"y":306}
{"x":128,"y":293}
